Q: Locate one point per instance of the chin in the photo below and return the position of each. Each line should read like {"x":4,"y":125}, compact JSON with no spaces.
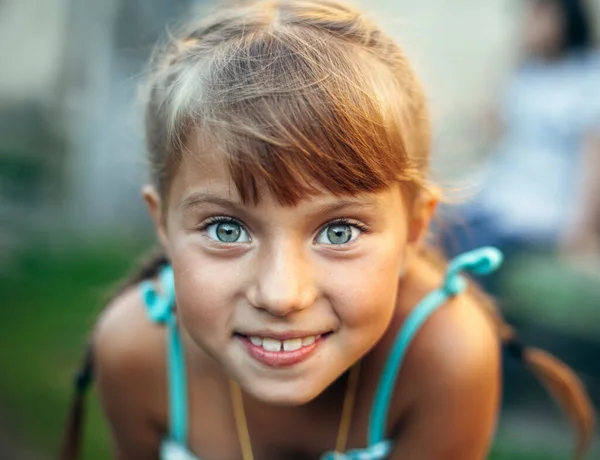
{"x":284,"y":393}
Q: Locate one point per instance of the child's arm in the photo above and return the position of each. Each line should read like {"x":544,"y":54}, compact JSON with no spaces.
{"x":455,"y":369}
{"x":128,"y":380}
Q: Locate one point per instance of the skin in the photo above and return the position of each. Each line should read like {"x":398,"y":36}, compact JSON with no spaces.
{"x":287,"y":276}
{"x":543,"y":30}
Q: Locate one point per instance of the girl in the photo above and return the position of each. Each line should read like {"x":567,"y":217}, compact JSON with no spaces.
{"x":289,"y":144}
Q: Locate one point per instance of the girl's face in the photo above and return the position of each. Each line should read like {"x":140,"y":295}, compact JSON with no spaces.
{"x":284,"y":298}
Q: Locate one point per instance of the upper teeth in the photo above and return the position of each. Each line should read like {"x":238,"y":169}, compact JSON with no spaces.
{"x":285,"y":345}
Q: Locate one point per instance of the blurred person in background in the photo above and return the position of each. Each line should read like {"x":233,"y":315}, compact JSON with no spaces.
{"x":541,"y":184}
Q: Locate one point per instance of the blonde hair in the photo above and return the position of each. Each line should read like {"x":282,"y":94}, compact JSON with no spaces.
{"x":293,"y":94}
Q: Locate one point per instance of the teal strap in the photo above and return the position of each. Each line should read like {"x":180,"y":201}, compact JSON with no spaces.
{"x":379,"y":451}
{"x":160,"y":310}
{"x":480,"y":261}
{"x":177,"y":384}
{"x":171,"y":450}
{"x":159,"y":304}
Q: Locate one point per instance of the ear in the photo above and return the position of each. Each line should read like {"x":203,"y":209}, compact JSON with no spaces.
{"x":155,"y":208}
{"x":423,"y":211}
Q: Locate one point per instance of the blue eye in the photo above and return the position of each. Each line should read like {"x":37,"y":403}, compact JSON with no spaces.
{"x":227,"y":231}
{"x":338,"y":233}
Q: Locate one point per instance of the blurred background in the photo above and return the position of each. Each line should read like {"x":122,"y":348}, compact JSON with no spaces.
{"x":514,"y":87}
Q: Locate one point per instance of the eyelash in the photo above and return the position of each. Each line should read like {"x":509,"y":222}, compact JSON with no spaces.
{"x":340,"y":221}
{"x":345,"y":221}
{"x":219,"y":220}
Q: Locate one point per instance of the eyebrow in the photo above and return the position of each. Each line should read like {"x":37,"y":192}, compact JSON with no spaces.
{"x":340,"y":205}
{"x":199,"y":198}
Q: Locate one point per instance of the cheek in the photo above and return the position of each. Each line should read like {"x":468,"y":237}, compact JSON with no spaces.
{"x":367,"y":289}
{"x":205,"y":297}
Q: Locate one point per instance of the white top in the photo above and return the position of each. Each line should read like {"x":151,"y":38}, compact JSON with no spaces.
{"x":530,"y":182}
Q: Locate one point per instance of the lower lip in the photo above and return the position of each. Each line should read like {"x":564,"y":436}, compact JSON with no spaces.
{"x":279,"y":358}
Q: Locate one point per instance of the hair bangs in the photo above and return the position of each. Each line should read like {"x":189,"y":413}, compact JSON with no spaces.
{"x":286,"y":123}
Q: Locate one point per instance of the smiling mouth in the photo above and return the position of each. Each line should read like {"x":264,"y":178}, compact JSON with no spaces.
{"x":271,"y":344}
{"x":278,"y":353}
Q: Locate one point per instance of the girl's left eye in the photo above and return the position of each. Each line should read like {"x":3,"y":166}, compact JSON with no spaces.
{"x":338,"y":233}
{"x":227,"y":231}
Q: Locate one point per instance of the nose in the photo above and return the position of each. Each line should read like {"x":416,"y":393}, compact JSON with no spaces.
{"x":283,"y":281}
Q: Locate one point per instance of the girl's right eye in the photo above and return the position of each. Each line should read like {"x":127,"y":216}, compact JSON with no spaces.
{"x":226,"y":230}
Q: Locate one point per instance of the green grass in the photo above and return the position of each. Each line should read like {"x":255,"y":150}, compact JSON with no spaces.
{"x":509,"y":454}
{"x":51,"y":299}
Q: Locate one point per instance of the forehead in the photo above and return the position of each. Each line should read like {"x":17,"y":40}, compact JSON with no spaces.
{"x":203,"y":166}
{"x":205,"y":169}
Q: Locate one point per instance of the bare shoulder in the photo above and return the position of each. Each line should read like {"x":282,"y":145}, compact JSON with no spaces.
{"x":129,"y":359}
{"x":125,"y":340}
{"x":456,"y":344}
{"x":452,"y":377}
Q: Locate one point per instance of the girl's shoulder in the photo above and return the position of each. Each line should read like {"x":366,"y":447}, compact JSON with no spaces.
{"x":452,"y":362}
{"x":457,"y":344}
{"x":125,"y":337}
{"x":457,"y":340}
{"x":129,"y":363}
{"x":461,"y":320}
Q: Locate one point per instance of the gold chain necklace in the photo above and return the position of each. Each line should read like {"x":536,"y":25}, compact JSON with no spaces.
{"x":345,"y":419}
